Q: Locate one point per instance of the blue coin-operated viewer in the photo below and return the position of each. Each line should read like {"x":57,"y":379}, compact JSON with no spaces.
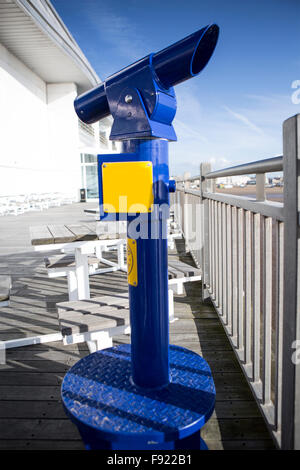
{"x":147,"y":395}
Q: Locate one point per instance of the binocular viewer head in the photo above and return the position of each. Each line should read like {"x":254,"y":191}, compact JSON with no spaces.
{"x":186,"y":58}
{"x":156,"y":73}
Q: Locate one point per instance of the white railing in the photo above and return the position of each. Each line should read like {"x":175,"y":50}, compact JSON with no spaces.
{"x":248,"y":250}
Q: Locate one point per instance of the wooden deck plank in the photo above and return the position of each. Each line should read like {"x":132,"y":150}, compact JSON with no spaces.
{"x":37,"y":429}
{"x":31,"y":378}
{"x":240,"y":444}
{"x":253,"y":429}
{"x":241,"y":409}
{"x":42,"y":365}
{"x":33,"y":410}
{"x":25,"y":393}
{"x":63,"y":363}
{"x":196,"y":326}
{"x":47,"y":444}
{"x":205,"y":345}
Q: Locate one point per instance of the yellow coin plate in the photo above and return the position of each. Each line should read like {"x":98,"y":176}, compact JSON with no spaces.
{"x":127,"y":187}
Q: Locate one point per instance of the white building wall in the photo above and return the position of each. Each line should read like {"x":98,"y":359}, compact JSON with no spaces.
{"x":39,"y":145}
{"x":23,"y":127}
{"x":63,"y":142}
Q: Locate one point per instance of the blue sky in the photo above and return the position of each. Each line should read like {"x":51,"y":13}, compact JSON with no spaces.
{"x":233,"y":111}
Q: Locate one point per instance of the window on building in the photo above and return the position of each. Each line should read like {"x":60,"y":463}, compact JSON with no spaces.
{"x":89,"y":158}
{"x":102,"y":138}
{"x":89,"y":175}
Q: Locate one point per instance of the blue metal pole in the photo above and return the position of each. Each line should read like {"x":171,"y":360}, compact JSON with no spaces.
{"x":149,"y":313}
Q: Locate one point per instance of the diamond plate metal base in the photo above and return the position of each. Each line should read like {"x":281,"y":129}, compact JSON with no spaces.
{"x":111,"y":413}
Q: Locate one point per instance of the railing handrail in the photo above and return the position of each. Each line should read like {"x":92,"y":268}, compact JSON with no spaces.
{"x":268,"y":165}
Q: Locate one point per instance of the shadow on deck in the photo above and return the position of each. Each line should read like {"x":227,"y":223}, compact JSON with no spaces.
{"x":31,"y":415}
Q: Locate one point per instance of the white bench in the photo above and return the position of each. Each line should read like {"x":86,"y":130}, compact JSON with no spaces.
{"x":180,"y":273}
{"x":65,"y":265}
{"x":94,"y":321}
{"x":174,"y":231}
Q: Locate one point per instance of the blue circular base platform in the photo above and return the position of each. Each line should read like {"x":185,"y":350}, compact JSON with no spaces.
{"x":111,"y":413}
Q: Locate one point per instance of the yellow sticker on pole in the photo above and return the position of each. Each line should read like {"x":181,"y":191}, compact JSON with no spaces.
{"x":132,"y":262}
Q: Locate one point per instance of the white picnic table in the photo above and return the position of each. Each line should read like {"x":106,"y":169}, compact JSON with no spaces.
{"x":82,"y":240}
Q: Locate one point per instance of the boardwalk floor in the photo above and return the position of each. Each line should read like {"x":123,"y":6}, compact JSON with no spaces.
{"x":31,"y":415}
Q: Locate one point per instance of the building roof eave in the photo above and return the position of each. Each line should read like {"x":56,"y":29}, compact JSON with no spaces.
{"x":33,"y":31}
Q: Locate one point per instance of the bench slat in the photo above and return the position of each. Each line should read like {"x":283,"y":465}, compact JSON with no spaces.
{"x":121,"y":316}
{"x":64,"y":313}
{"x":174,"y":273}
{"x":94,"y":303}
{"x":82,"y":232}
{"x":112,"y":300}
{"x":41,"y":235}
{"x":184,"y":268}
{"x":61,"y":234}
{"x":111,"y":230}
{"x":80,"y":323}
{"x":85,"y":316}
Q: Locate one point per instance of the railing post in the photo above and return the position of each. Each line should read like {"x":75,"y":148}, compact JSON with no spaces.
{"x":260,"y":187}
{"x":178,"y":210}
{"x":205,"y":185}
{"x":186,"y":176}
{"x":290,"y":436}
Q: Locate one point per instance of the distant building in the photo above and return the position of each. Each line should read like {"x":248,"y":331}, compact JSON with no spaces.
{"x":43,"y":146}
{"x":276,"y":180}
{"x":233,"y":180}
{"x":240,"y":180}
